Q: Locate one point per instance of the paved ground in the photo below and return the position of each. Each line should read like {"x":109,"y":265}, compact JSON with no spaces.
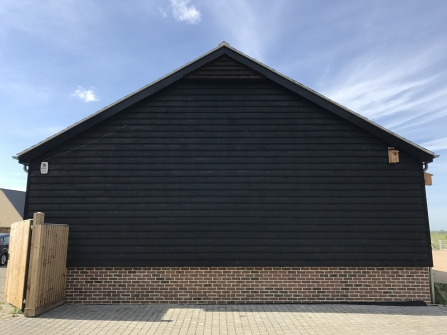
{"x":237,"y":319}
{"x":6,"y":311}
{"x":249,"y":319}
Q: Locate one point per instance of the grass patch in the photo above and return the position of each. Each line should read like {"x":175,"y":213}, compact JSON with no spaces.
{"x":6,"y":309}
{"x":441,"y":294}
{"x":14,"y":311}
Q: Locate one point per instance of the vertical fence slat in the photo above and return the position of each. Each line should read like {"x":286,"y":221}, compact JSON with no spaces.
{"x":59,"y":274}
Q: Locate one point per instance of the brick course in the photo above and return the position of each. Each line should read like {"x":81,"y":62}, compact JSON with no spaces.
{"x":240,"y":285}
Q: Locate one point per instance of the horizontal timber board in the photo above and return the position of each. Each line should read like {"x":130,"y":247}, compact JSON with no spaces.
{"x":227,"y":133}
{"x":221,"y":85}
{"x":209,"y":145}
{"x":255,"y":256}
{"x":243,"y":250}
{"x":220,"y":76}
{"x":223,"y":112}
{"x":245,"y":238}
{"x":207,"y":140}
{"x":196,"y":90}
{"x":120,"y":224}
{"x":225,"y":103}
{"x":216,"y":113}
{"x":239,"y":243}
{"x":135,"y":154}
{"x":293,"y":168}
{"x":334,"y":189}
{"x":193,"y":89}
{"x":367,"y":162}
{"x":324,"y":129}
{"x":81,"y":213}
{"x":323,"y":171}
{"x":262,"y":191}
{"x":140,"y":121}
{"x":231,"y":207}
{"x":219,"y":98}
{"x":148,"y":198}
{"x":339,"y":261}
{"x":309,"y":194}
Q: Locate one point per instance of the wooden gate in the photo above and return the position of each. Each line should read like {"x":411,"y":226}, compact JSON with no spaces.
{"x":41,"y":264}
{"x":16,"y":271}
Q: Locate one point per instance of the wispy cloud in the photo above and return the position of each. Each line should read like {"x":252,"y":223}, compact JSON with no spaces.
{"x":163,"y":13}
{"x":398,"y":94}
{"x":438,"y":144}
{"x":85,"y":94}
{"x":249,"y":26}
{"x":183,"y":12}
{"x":59,"y":23}
{"x":20,"y":93}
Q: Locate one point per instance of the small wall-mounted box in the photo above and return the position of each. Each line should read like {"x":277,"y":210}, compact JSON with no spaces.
{"x":427,"y":178}
{"x":44,"y":167}
{"x":393,"y":155}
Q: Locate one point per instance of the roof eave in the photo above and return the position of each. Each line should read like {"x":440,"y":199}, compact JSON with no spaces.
{"x":223,"y":48}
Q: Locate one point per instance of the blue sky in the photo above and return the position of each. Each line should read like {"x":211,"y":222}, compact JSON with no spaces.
{"x":63,"y":60}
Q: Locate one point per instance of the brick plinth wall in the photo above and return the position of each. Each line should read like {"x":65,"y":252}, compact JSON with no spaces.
{"x":241,"y":285}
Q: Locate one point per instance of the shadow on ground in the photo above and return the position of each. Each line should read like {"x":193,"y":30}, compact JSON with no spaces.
{"x":440,"y":276}
{"x":159,"y":313}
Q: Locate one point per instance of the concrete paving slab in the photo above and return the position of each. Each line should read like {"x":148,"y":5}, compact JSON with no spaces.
{"x":235,"y":319}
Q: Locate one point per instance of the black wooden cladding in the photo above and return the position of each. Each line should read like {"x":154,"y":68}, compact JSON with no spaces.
{"x":224,"y":68}
{"x":232,"y":173}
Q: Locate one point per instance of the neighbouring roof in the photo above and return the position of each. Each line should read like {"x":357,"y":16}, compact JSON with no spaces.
{"x":16,"y":198}
{"x":12,"y":204}
{"x":225,"y":49}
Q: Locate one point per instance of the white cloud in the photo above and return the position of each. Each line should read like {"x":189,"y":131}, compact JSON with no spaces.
{"x":183,"y":12}
{"x":85,"y":95}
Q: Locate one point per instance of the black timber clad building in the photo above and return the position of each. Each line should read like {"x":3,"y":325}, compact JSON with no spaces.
{"x":227,"y":163}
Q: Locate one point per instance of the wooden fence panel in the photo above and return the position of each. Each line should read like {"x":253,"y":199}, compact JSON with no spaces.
{"x":5,"y":230}
{"x":47,"y":268}
{"x":16,"y":272}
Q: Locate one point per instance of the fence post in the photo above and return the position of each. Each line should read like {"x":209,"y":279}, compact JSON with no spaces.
{"x":38,"y":218}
